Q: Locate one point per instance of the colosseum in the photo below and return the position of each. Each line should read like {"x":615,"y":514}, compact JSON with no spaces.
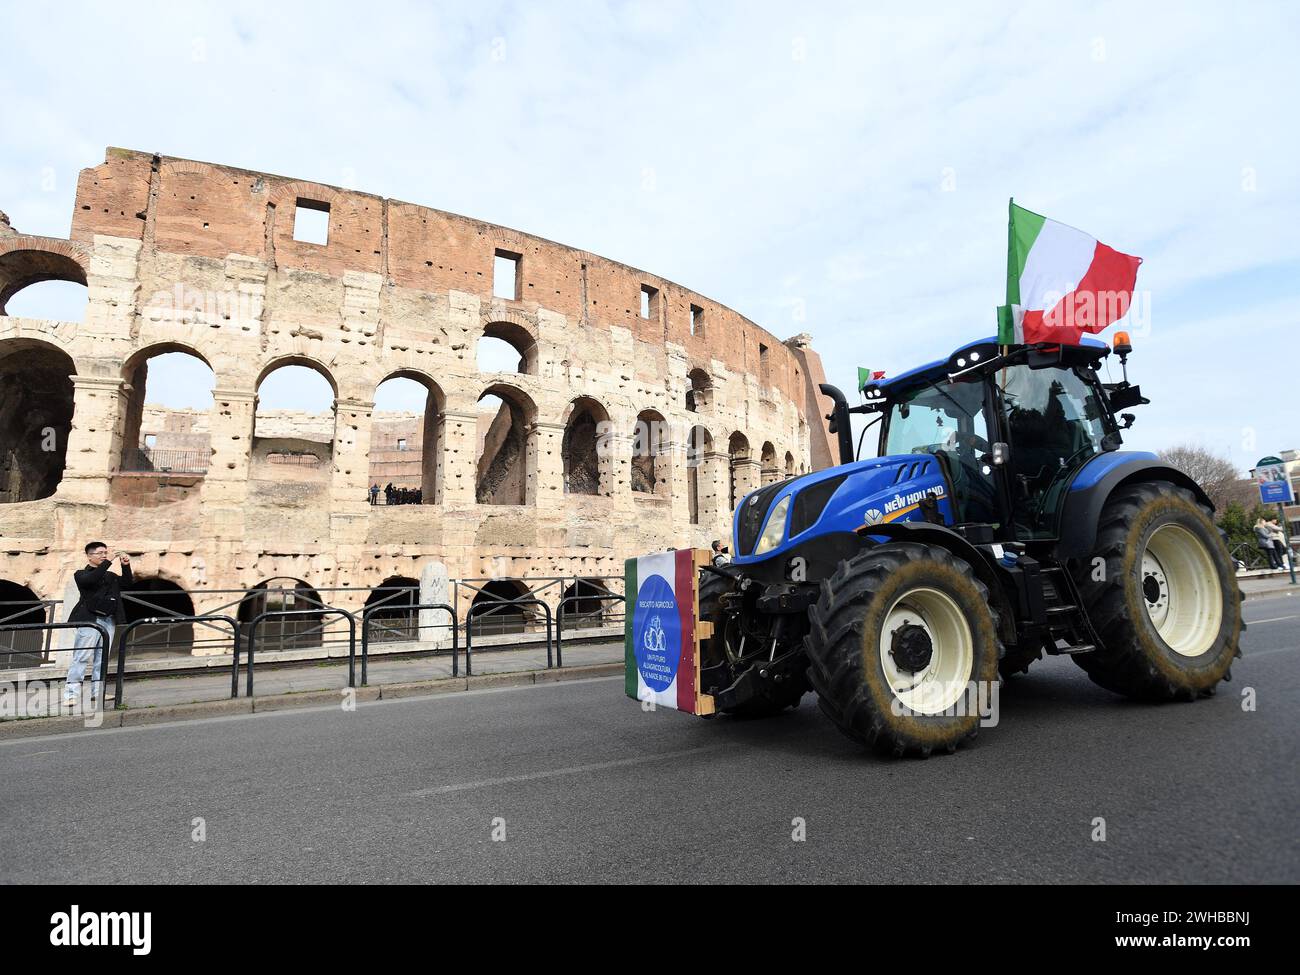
{"x":637,"y":414}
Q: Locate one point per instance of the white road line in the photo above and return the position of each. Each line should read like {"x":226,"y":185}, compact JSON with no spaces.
{"x":554,"y":773}
{"x":1275,"y":619}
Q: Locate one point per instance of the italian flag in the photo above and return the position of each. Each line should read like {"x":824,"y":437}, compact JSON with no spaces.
{"x":660,"y":658}
{"x":1061,"y":282}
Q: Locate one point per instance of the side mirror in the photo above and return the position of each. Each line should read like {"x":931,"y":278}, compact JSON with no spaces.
{"x":1124,"y":397}
{"x":1001,"y":454}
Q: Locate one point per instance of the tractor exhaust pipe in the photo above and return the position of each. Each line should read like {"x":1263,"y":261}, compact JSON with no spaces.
{"x":839,"y":421}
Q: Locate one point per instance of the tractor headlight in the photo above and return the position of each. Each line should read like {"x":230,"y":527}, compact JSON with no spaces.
{"x":774,"y":533}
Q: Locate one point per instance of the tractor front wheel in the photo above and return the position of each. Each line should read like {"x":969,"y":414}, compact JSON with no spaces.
{"x":1162,"y":594}
{"x":903,"y":649}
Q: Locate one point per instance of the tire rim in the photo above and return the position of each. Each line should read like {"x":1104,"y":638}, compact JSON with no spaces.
{"x":1181,"y":591}
{"x":944,"y":679}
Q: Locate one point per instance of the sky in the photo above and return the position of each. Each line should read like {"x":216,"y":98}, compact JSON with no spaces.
{"x":836,"y":169}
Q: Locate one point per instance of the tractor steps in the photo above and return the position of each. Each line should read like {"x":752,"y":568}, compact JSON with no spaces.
{"x":1068,"y":650}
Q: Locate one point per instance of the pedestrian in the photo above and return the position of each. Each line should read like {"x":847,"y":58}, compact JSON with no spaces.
{"x":100,"y":597}
{"x":388,"y":493}
{"x":374,"y":494}
{"x":1264,"y":540}
{"x":1279,"y":542}
{"x":720,"y":556}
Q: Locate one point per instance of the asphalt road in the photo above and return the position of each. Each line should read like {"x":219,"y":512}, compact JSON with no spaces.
{"x":587,"y":787}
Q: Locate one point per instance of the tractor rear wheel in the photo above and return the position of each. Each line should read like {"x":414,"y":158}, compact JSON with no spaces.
{"x":903,"y":649}
{"x":1162,"y":594}
{"x":775,"y":697}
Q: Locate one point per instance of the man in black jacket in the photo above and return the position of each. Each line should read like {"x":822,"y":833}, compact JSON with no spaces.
{"x":100,"y":597}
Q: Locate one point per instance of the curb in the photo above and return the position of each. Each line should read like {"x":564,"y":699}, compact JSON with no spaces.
{"x":1280,"y":590}
{"x":70,"y":724}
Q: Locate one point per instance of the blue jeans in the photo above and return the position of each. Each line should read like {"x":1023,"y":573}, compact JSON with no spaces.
{"x":87,"y":639}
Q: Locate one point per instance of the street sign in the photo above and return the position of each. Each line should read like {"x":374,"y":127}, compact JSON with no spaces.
{"x":1274,"y":485}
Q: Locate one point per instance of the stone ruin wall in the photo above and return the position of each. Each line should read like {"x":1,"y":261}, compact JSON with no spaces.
{"x":188,"y":256}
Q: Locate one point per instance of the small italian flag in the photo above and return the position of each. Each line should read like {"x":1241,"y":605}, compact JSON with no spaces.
{"x":1061,"y":282}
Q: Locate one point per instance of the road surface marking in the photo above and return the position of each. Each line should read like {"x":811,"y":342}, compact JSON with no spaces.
{"x":1275,"y":619}
{"x":554,"y":773}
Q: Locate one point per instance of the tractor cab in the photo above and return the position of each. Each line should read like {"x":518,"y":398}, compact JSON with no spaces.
{"x":1009,"y":430}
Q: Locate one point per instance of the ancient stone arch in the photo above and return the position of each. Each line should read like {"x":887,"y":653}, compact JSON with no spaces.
{"x":588,"y":448}
{"x":507,"y":457}
{"x":37,"y":402}
{"x":30,"y":260}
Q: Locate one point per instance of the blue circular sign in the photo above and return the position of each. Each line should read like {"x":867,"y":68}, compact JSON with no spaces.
{"x":657,"y":630}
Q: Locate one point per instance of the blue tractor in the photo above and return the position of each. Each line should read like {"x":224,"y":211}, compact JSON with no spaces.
{"x":1000,"y":521}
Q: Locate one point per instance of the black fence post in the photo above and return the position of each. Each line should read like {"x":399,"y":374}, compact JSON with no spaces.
{"x":319,"y":610}
{"x":469,"y":628}
{"x":234,"y":670}
{"x":104,"y":642}
{"x":559,"y":622}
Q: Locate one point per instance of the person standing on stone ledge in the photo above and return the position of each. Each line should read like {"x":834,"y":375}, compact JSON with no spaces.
{"x":101,"y":596}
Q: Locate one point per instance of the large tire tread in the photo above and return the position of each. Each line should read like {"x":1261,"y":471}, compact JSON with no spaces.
{"x":1130,"y":660}
{"x":836,"y":656}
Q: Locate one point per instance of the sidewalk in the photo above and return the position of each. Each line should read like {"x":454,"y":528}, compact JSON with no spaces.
{"x":1258,"y":585}
{"x":207,"y":694}
{"x":326,"y":675}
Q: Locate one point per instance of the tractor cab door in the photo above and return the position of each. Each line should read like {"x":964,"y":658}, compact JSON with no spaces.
{"x":1054,"y":425}
{"x":950,"y":421}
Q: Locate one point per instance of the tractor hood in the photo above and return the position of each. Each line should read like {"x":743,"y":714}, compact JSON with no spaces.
{"x":838,"y":499}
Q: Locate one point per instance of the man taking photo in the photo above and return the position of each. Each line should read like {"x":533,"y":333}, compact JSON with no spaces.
{"x":101,"y":594}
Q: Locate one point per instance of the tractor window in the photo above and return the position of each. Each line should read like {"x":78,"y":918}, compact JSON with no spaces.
{"x":1054,"y":421}
{"x":947,"y":420}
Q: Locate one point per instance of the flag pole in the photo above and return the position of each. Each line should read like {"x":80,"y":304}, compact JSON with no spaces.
{"x":1006,"y":314}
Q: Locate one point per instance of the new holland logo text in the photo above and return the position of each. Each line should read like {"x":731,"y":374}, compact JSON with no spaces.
{"x":899,"y":502}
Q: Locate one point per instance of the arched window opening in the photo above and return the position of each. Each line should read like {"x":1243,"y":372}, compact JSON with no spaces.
{"x":157,"y":598}
{"x":42,"y":284}
{"x":280,"y":633}
{"x":701,"y":500}
{"x":650,"y":460}
{"x":586,"y":609}
{"x":169,"y":402}
{"x":389,"y":605}
{"x":406,"y":435}
{"x":294,"y":421}
{"x":23,"y":648}
{"x":36,"y":404}
{"x":699,"y":395}
{"x":487,"y":615}
{"x":738,"y":448}
{"x":769,"y":472}
{"x":585,"y":448}
{"x":506,"y":347}
{"x":506,"y":467}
